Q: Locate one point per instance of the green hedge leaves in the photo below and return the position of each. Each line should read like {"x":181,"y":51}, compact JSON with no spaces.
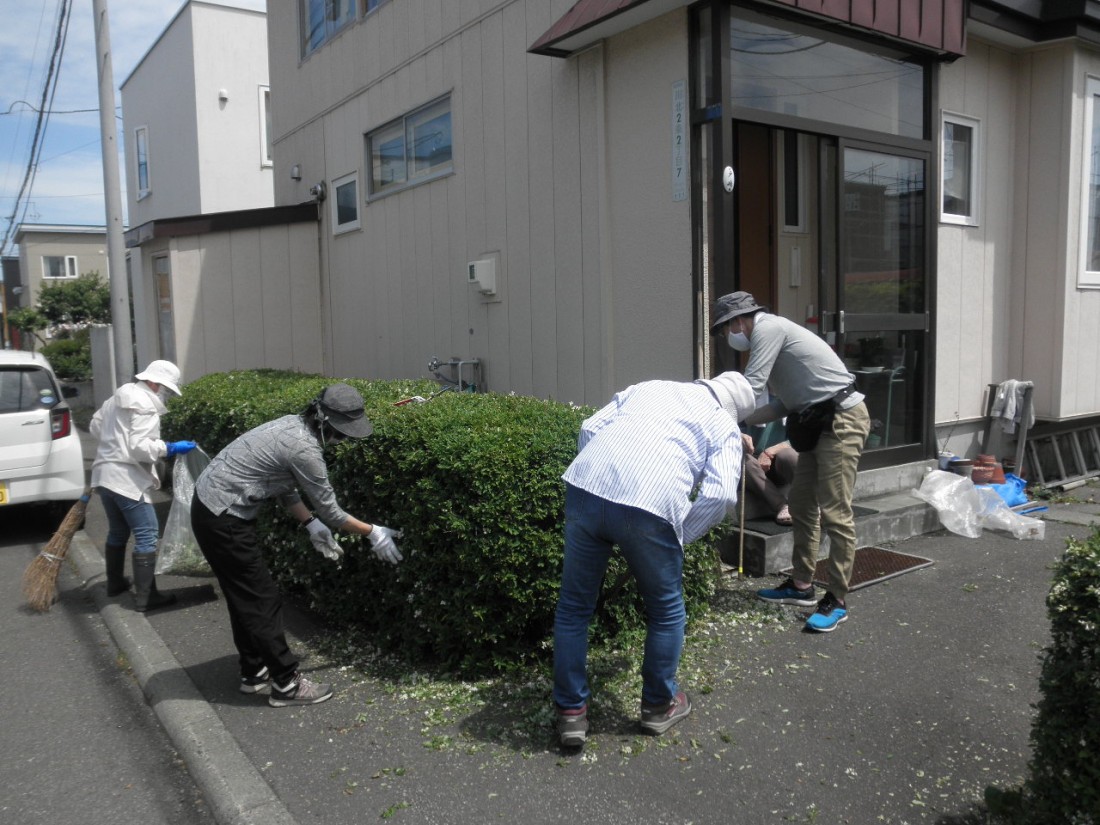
{"x":473,"y":480}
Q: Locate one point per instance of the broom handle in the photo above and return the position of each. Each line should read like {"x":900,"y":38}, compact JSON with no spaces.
{"x":741,"y":548}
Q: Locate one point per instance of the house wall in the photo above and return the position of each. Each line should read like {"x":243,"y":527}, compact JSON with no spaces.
{"x":230,"y":53}
{"x":542,"y":147}
{"x":205,"y":154}
{"x":90,"y":250}
{"x":242,"y":299}
{"x":160,"y":95}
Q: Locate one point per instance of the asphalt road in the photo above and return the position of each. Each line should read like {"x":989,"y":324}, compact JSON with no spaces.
{"x":78,"y":742}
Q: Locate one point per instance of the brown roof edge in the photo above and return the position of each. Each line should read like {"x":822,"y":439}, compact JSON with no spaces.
{"x":222,"y":222}
{"x":583,"y":15}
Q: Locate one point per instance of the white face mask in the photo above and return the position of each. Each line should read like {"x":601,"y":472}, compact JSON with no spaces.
{"x":739,"y":341}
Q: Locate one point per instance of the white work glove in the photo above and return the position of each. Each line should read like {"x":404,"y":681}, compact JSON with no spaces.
{"x":381,"y":542}
{"x":323,"y":540}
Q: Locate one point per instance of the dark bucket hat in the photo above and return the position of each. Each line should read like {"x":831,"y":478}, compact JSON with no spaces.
{"x":730,"y":306}
{"x":342,"y":406}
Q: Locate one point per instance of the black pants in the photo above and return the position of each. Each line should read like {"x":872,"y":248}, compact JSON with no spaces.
{"x":254,"y":602}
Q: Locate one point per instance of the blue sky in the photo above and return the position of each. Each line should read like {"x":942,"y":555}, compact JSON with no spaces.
{"x":68,"y":184}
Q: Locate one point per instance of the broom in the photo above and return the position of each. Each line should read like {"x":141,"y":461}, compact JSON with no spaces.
{"x":40,"y":577}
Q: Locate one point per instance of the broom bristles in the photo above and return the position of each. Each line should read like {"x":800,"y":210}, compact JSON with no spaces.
{"x":40,"y":577}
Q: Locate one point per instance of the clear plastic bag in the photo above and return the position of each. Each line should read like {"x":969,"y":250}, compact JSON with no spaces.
{"x":178,"y":553}
{"x":965,"y":509}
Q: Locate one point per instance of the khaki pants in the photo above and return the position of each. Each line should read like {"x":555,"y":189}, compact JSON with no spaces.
{"x":821,"y":494}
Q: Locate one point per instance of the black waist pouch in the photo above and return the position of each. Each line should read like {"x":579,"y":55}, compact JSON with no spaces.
{"x":805,"y":428}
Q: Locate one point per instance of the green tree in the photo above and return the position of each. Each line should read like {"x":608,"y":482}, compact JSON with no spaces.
{"x":80,"y":302}
{"x":28,"y":320}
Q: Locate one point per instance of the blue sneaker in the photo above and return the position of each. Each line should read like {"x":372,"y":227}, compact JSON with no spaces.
{"x":787,"y":593}
{"x":828,"y":615}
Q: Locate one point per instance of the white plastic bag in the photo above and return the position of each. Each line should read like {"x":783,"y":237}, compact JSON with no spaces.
{"x":956,"y":501}
{"x":179,"y":553}
{"x":965,"y":509}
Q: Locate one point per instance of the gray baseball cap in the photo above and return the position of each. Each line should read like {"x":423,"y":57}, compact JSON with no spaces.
{"x":731,"y":306}
{"x":342,"y":406}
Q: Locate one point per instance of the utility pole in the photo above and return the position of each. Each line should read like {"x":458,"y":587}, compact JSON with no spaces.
{"x":112,"y":192}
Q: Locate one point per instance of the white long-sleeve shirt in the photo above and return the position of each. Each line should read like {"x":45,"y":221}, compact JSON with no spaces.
{"x":652,"y":445}
{"x":128,"y":428}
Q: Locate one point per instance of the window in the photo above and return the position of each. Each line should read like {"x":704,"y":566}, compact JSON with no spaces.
{"x":345,"y":203}
{"x":141,"y":152}
{"x":265,"y":126}
{"x":322,"y":19}
{"x":1089,"y":273}
{"x":959,"y":170}
{"x":414,"y":149}
{"x":793,"y":181}
{"x":59,"y":266}
{"x":371,"y":5}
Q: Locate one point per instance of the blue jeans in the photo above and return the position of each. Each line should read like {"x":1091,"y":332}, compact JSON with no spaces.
{"x":125,"y":516}
{"x":653,"y":553}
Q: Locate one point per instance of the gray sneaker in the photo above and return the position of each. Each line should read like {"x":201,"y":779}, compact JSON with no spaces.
{"x":572,"y":726}
{"x":301,"y":691}
{"x":656,"y":719}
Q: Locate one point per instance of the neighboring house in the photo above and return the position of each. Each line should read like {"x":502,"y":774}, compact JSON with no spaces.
{"x":9,"y":296}
{"x":209,"y":258}
{"x":914,"y":180}
{"x":54,"y":253}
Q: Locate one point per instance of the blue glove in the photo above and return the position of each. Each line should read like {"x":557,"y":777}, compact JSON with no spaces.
{"x":180,"y":447}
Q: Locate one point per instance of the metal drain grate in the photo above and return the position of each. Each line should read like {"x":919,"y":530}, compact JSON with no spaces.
{"x":873,"y":565}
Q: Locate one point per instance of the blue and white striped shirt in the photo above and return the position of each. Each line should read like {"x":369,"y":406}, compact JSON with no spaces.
{"x":652,"y":445}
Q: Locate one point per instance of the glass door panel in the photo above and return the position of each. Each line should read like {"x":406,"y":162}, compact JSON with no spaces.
{"x":882,"y":321}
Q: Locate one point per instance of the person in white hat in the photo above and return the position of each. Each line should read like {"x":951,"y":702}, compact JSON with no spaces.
{"x":124,"y":472}
{"x":639,"y":460}
{"x":276,"y":460}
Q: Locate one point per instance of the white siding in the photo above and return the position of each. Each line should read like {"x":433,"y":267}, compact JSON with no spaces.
{"x":589,"y":298}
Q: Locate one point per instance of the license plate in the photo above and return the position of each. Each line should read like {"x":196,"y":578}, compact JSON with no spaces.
{"x":4,"y":493}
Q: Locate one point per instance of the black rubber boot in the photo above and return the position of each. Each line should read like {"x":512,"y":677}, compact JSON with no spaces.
{"x":146,"y":596}
{"x":115,"y":557}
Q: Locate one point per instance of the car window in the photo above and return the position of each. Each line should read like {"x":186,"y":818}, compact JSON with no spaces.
{"x":22,"y":390}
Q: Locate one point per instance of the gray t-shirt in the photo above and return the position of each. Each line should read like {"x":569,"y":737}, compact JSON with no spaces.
{"x":795,"y":365}
{"x":273,"y":460}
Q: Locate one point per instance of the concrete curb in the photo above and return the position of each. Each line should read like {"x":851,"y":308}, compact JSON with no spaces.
{"x":234,"y":789}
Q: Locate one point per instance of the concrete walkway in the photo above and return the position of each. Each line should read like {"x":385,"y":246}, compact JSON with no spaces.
{"x":903,"y":715}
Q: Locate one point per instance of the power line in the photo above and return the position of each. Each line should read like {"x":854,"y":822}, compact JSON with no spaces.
{"x":48,"y":91}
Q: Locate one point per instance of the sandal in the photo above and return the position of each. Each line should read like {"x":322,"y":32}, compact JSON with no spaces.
{"x":783,"y":517}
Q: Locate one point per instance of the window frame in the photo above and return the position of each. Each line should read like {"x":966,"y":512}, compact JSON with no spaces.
{"x":68,"y":264}
{"x":332,"y":28}
{"x":1089,"y":278}
{"x":350,"y":226}
{"x":401,"y":125}
{"x":141,"y":160}
{"x":267,"y":148}
{"x":973,"y":217}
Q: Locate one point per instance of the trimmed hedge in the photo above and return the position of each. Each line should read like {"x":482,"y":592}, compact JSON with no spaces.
{"x":473,"y":480}
{"x":1064,"y":785}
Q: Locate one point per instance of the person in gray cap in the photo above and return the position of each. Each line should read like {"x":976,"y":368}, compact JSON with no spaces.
{"x":827,"y":423}
{"x":274,"y":460}
{"x":639,"y":460}
{"x":124,"y":473}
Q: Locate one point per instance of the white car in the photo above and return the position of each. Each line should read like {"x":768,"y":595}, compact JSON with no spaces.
{"x":40,"y":456}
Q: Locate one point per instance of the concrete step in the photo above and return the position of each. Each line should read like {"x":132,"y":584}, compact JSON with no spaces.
{"x":886,"y":511}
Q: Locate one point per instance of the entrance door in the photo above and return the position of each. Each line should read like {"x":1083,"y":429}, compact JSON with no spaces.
{"x":831,"y":234}
{"x":879,"y":316}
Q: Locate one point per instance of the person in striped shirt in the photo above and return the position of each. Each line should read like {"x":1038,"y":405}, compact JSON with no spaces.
{"x":655,"y":469}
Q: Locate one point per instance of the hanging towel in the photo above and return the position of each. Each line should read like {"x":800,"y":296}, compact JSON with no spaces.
{"x":1009,"y":406}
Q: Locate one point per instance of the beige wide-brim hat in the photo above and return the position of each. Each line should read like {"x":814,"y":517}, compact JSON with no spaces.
{"x":733,"y":392}
{"x":164,"y":373}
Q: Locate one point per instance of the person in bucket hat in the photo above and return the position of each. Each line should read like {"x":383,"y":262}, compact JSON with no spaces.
{"x":124,"y":472}
{"x":275,"y":460}
{"x":827,"y":423}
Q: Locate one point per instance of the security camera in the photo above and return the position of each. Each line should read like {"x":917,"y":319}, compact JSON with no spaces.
{"x":317,"y":191}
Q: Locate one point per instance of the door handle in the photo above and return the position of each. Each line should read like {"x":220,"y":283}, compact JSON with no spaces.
{"x":840,"y":322}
